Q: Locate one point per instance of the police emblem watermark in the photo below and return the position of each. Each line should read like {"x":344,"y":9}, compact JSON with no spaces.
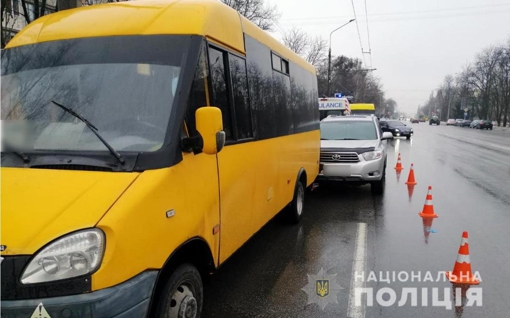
{"x":322,"y":289}
{"x":454,"y":290}
{"x":458,"y":295}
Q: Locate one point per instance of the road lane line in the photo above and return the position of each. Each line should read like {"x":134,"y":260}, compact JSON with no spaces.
{"x":358,"y":267}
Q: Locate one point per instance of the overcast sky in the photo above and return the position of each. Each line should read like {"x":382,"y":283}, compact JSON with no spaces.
{"x":414,"y":44}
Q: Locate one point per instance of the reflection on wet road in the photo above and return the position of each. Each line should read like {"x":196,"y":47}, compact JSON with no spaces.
{"x":346,"y":229}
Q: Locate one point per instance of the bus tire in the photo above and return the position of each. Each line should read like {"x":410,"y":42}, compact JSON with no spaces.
{"x":295,"y":208}
{"x":182,"y":295}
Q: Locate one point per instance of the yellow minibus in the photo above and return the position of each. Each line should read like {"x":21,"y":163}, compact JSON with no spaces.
{"x":143,"y":143}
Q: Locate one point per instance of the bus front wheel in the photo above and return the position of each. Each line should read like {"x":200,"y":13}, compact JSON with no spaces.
{"x":183,"y":294}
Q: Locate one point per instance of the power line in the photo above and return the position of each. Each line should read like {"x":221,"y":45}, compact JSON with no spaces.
{"x":359,"y":35}
{"x":404,"y":12}
{"x":415,"y":18}
{"x":408,"y":90}
{"x":279,"y":27}
{"x":368,"y":35}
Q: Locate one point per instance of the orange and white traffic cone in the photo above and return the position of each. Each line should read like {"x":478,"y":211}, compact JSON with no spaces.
{"x":428,"y":207}
{"x":462,"y":273}
{"x":410,"y":179}
{"x":399,"y":167}
{"x":410,"y":190}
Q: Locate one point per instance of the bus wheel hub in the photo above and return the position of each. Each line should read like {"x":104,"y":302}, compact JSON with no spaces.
{"x":188,"y":307}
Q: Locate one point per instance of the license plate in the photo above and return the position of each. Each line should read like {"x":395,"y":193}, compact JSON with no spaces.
{"x":337,"y":170}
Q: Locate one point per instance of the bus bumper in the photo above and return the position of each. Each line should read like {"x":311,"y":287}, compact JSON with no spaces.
{"x":129,"y":299}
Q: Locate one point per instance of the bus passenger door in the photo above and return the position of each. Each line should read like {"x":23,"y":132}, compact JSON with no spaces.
{"x":238,"y":161}
{"x":201,"y":183}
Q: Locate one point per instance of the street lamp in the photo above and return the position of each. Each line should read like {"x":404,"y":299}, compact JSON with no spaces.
{"x":329,"y":56}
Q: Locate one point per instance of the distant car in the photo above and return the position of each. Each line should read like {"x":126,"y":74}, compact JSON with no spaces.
{"x":450,"y":122}
{"x":485,"y":124}
{"x":465,"y":123}
{"x":458,"y":122}
{"x":415,"y":121}
{"x":397,"y":128}
{"x":434,"y":120}
{"x":422,"y":120}
{"x":475,"y":124}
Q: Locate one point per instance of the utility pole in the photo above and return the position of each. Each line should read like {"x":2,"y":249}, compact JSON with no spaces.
{"x":329,"y":56}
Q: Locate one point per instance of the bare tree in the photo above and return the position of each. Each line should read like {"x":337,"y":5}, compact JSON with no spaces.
{"x":312,"y":49}
{"x":483,"y":87}
{"x":8,"y":21}
{"x":68,"y":4}
{"x":504,"y":81}
{"x":349,"y":77}
{"x":483,"y":78}
{"x":500,"y":91}
{"x":316,"y":52}
{"x":265,"y":16}
{"x":390,"y":107}
{"x":448,"y":89}
{"x":296,"y":40}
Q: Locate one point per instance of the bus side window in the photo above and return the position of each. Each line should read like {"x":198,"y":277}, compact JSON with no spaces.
{"x":197,"y":97}
{"x":240,"y":96}
{"x":219,"y":92}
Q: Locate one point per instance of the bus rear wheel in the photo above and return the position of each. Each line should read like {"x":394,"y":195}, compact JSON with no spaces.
{"x":183,"y":294}
{"x":294,"y":211}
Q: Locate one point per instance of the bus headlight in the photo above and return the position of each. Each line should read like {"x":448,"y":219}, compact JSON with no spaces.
{"x":72,"y":255}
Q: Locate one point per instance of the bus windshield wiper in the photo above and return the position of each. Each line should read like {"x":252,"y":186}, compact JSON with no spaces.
{"x":26,"y":159}
{"x":93,"y":129}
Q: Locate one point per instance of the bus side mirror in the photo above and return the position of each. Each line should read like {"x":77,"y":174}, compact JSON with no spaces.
{"x":210,"y":126}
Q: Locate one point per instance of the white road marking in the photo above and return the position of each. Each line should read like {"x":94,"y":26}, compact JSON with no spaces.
{"x":358,"y":267}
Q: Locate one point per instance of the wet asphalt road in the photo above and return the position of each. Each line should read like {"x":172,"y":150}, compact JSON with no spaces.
{"x":469,"y":171}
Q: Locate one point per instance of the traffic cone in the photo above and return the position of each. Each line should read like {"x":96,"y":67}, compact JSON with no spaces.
{"x":428,"y":207}
{"x":462,"y":273}
{"x":399,"y":167}
{"x":410,"y":179}
{"x":410,"y":190}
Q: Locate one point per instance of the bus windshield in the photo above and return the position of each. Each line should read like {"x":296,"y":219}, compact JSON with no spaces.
{"x":125,"y":92}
